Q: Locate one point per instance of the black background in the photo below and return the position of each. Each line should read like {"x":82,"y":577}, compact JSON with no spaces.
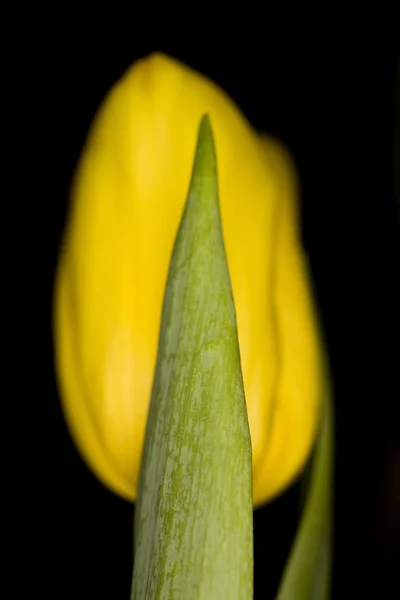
{"x":332,"y":102}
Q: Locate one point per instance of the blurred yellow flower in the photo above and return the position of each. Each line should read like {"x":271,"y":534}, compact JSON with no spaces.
{"x":129,"y":191}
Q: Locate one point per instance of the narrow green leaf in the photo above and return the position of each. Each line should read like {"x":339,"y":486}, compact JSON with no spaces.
{"x":193,"y":522}
{"x":308,"y":571}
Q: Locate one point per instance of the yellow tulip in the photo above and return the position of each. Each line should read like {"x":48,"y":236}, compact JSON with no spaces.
{"x":127,"y":199}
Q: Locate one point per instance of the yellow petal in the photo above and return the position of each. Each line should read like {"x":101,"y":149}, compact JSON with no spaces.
{"x":127,"y":199}
{"x":299,"y":381}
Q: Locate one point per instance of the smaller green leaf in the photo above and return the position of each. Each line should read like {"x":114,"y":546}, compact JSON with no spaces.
{"x":307,"y":573}
{"x":194,"y":516}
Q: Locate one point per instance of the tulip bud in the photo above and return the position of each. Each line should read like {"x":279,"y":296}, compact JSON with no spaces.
{"x":127,"y":201}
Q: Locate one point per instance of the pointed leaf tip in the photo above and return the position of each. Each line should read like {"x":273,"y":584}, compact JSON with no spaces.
{"x":205,"y":162}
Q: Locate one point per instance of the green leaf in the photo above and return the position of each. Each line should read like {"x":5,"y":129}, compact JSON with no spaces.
{"x":308,"y":571}
{"x":193,"y":521}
